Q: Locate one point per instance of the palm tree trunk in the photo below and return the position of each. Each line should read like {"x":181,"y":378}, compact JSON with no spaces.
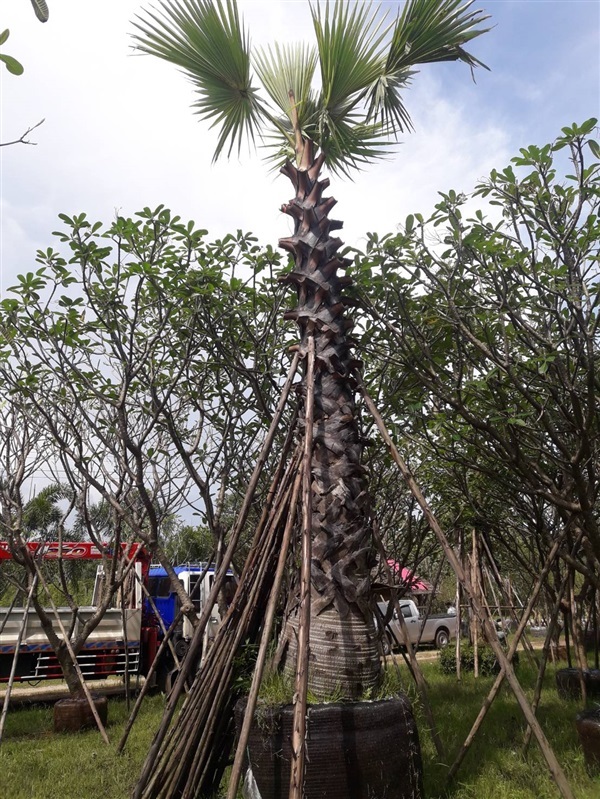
{"x":344,"y":657}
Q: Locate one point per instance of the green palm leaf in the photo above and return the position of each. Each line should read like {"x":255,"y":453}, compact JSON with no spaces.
{"x":426,"y":31}
{"x":287,"y":73}
{"x":207,"y":40}
{"x":435,"y":30}
{"x":352,"y":144}
{"x":349,"y":41}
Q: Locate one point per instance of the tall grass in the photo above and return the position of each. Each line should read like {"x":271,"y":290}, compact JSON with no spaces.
{"x":495,"y":766}
{"x":37,"y":764}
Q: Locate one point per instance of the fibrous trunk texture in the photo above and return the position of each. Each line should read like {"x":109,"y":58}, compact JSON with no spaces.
{"x":344,"y":657}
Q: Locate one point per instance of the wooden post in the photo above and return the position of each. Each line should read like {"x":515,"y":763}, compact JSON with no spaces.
{"x":503,"y":592}
{"x":13,"y":668}
{"x":459,"y":609}
{"x":240,"y":752}
{"x":553,"y":764}
{"x":298,"y":763}
{"x":474,"y":620}
{"x":579,"y":657}
{"x":415,"y":669}
{"x":218,"y":582}
{"x":552,"y":621}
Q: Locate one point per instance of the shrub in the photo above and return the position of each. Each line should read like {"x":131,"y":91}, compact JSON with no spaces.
{"x":488,"y":664}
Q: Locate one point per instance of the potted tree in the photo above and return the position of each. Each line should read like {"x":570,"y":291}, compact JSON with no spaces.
{"x":365,"y":64}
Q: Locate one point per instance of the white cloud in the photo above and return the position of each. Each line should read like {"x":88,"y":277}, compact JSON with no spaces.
{"x":119,"y":131}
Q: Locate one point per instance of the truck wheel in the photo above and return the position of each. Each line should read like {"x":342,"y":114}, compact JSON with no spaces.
{"x":181,"y":648}
{"x":442,"y":638}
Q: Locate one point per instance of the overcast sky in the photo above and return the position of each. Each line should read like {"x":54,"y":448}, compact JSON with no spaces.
{"x":119,"y":133}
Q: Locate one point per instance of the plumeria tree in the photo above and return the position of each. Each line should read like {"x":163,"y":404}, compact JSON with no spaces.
{"x":363,"y":61}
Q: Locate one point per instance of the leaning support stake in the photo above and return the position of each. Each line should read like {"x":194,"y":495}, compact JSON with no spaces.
{"x":171,"y":706}
{"x":236,"y":770}
{"x":414,"y":663}
{"x":298,"y":764}
{"x":84,"y":687}
{"x":553,"y":764}
{"x":511,"y":653}
{"x":13,"y":669}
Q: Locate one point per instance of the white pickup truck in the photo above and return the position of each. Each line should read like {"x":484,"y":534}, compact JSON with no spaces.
{"x":436,"y":629}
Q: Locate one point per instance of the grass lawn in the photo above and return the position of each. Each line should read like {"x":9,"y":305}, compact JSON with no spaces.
{"x":37,"y":764}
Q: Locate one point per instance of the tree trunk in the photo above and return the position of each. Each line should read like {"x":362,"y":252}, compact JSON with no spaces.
{"x":344,"y":656}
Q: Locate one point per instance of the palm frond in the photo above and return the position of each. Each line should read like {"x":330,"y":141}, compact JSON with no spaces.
{"x":435,"y":30}
{"x":349,"y":42}
{"x":286,"y":73}
{"x":426,"y":31}
{"x":350,"y":144}
{"x":385,"y":101}
{"x":206,"y":39}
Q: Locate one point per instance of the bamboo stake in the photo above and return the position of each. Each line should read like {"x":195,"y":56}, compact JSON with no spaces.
{"x":581,"y":665}
{"x":301,"y":686}
{"x":458,"y":611}
{"x":474,"y":622}
{"x":510,"y":607}
{"x":13,"y":668}
{"x":415,"y":669}
{"x":204,"y":708}
{"x":73,"y":656}
{"x":537,"y":693}
{"x":166,"y":642}
{"x":236,"y":771}
{"x":126,"y":648}
{"x":511,"y":652}
{"x":171,"y":705}
{"x":553,"y":764}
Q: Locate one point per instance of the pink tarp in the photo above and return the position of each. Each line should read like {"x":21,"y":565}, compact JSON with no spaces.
{"x":409,"y":579}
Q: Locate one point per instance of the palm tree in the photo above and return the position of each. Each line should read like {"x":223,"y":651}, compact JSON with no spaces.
{"x":365,"y":63}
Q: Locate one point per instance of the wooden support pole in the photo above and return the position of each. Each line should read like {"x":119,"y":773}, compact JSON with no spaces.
{"x":196,"y":642}
{"x":474,"y":620}
{"x":577,"y":643}
{"x":13,"y":668}
{"x":240,"y":752}
{"x":511,"y":652}
{"x":298,"y":763}
{"x":458,"y":607}
{"x":166,"y":642}
{"x":547,"y":751}
{"x":415,"y":669}
{"x":552,"y":622}
{"x":509,"y":607}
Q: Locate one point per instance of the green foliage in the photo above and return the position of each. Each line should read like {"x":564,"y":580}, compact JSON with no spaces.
{"x":364,"y":68}
{"x":141,"y":342}
{"x":40,"y":8}
{"x":12,"y":65}
{"x":488,"y":664}
{"x":186,"y":543}
{"x":481,"y":337}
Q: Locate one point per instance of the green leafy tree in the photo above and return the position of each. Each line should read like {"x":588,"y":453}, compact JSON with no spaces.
{"x":365,"y":65}
{"x":124,"y":347}
{"x":487,"y":332}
